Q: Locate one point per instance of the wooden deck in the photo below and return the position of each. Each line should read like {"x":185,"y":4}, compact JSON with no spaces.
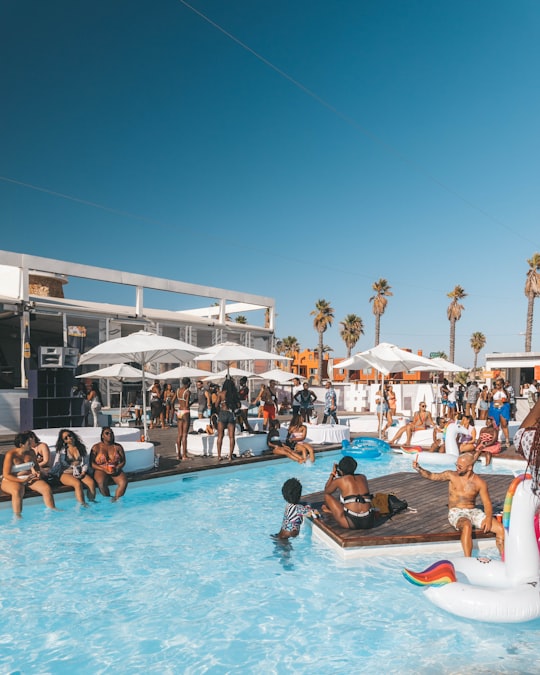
{"x":427,"y":526}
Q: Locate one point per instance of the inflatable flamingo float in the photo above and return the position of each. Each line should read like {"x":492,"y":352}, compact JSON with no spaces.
{"x":491,"y":590}
{"x":426,"y":458}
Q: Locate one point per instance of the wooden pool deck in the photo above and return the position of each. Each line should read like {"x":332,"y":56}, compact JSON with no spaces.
{"x":425,"y":524}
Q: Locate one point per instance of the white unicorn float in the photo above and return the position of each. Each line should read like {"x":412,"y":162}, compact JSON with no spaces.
{"x":440,"y":458}
{"x":493,"y":590}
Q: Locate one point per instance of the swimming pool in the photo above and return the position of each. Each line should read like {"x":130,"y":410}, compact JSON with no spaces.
{"x":182,"y":577}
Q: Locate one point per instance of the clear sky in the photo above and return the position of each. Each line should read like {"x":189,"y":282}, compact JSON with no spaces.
{"x":297,"y":149}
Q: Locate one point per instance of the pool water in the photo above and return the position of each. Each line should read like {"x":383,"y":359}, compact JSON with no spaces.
{"x":182,"y":577}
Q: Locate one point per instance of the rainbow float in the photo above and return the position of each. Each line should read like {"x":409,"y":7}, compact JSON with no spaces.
{"x":492,"y":590}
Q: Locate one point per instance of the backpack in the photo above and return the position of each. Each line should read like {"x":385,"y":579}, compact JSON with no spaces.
{"x":387,"y":504}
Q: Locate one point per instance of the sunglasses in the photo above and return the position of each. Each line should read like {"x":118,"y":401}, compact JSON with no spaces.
{"x":107,"y":433}
{"x":67,"y":437}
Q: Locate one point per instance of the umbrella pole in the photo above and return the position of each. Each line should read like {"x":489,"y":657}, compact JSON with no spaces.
{"x":145,"y":423}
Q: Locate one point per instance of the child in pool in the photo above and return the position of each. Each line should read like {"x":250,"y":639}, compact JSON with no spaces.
{"x":294,"y":512}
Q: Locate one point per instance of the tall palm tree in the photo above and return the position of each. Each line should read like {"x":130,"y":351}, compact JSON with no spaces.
{"x":324,"y":315}
{"x":241,"y":319}
{"x":382,"y":291}
{"x":532,"y":291}
{"x":478,"y":342}
{"x":454,"y":314}
{"x":352,"y":327}
{"x":289,"y":346}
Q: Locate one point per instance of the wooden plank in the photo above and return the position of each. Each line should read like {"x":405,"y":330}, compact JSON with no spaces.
{"x":428,"y":524}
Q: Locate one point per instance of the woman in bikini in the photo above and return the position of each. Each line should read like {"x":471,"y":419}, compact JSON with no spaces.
{"x":107,"y":459}
{"x":296,"y":439}
{"x":228,"y":404}
{"x":70,"y":465}
{"x":183,"y":396}
{"x":21,"y":470}
{"x":483,"y":403}
{"x":169,"y":396}
{"x":43,"y":454}
{"x":488,"y":441}
{"x":421,"y":420}
{"x":392,"y":406}
{"x":353,"y":509}
{"x":467,"y":442}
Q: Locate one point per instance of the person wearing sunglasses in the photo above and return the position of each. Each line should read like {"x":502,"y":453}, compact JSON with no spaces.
{"x":422,"y":419}
{"x":70,"y":465}
{"x":107,"y":459}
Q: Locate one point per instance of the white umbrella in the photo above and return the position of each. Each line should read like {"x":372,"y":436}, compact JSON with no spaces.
{"x":141,"y":347}
{"x":280,"y":376}
{"x":119,"y":372}
{"x":231,"y":372}
{"x":386,"y":358}
{"x":439,"y":363}
{"x":230,"y":352}
{"x":180,"y":372}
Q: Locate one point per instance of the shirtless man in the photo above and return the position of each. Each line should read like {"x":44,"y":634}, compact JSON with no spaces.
{"x":463,"y":489}
{"x":21,"y":470}
{"x":422,"y":419}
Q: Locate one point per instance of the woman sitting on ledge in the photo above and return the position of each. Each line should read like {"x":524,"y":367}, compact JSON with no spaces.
{"x":70,"y":465}
{"x":108,"y":459}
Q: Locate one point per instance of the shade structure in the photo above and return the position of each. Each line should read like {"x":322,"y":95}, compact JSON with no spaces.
{"x":280,"y":376}
{"x":386,"y":358}
{"x":180,"y":372}
{"x":230,"y":352}
{"x":119,"y":372}
{"x":141,"y":347}
{"x":229,"y":372}
{"x":439,"y":363}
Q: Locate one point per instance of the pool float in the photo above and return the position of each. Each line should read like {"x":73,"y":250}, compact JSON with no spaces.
{"x":447,"y":458}
{"x":364,"y":447}
{"x":493,"y":590}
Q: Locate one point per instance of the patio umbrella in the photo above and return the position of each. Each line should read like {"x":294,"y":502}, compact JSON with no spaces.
{"x":230,"y":372}
{"x":386,"y":358}
{"x":180,"y":372}
{"x":230,"y":352}
{"x":439,"y":363}
{"x":119,"y":372}
{"x":280,"y":376}
{"x":141,"y":347}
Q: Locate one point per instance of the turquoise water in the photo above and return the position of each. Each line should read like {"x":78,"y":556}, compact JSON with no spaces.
{"x":182,"y":577}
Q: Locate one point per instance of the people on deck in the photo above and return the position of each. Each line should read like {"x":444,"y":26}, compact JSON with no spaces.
{"x":183,"y":396}
{"x":467,"y":441}
{"x":41,"y":449}
{"x":381,"y":406}
{"x":499,"y":409}
{"x":463,"y":489}
{"x":267,"y":397}
{"x":279,"y":447}
{"x":20,"y":471}
{"x":483,"y":403}
{"x":71,"y":463}
{"x":422,"y":419}
{"x":391,"y":400}
{"x":203,"y":400}
{"x":353,"y":510}
{"x":107,"y":459}
{"x":94,"y":398}
{"x":296,"y":438}
{"x":156,"y":405}
{"x":297,"y":387}
{"x":305,"y":398}
{"x":330,"y":403}
{"x":243,"y":393}
{"x":294,"y":511}
{"x":228,"y":403}
{"x":169,"y":397}
{"x":488,"y":441}
{"x":472,"y":394}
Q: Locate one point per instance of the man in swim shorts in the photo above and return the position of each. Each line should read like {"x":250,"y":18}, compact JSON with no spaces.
{"x":463,"y":489}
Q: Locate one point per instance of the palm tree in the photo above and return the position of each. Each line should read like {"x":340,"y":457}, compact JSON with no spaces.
{"x":454,"y":314}
{"x":352,"y":327}
{"x":478,"y":342}
{"x":241,"y":319}
{"x":324,"y":315}
{"x":382,"y":291}
{"x":288,"y":346}
{"x":532,"y":291}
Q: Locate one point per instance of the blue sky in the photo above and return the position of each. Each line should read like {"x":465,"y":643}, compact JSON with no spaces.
{"x":371,"y":139}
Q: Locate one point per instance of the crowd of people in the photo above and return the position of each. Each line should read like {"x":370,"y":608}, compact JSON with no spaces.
{"x":29,"y":465}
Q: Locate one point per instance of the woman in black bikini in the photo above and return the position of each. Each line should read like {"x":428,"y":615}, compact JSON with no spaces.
{"x":353,"y":509}
{"x":183,"y":418}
